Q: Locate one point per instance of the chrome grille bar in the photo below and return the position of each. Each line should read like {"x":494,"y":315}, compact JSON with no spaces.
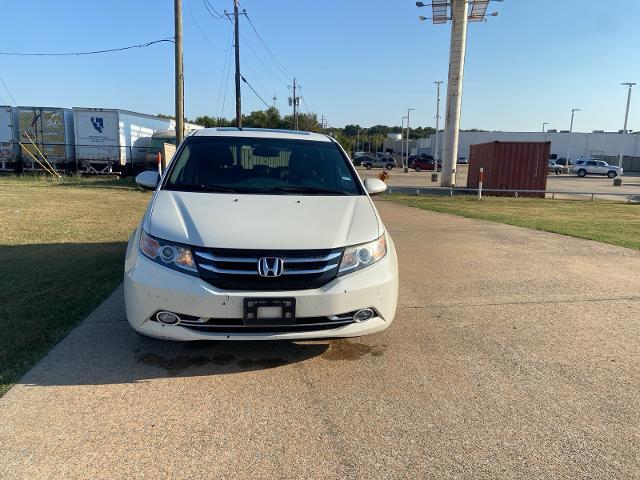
{"x":216,"y":258}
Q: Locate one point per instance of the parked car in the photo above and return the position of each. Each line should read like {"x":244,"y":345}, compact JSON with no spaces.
{"x":595,"y":167}
{"x":563,"y":162}
{"x":295,"y":250}
{"x":380,"y":162}
{"x":357,"y":161}
{"x":424,"y":163}
{"x":554,"y":168}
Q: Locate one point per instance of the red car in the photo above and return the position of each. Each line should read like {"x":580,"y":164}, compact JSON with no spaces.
{"x":424,"y":163}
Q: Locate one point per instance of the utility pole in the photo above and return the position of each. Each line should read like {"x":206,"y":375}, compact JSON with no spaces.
{"x":322,"y":124}
{"x":406,"y":163}
{"x":274,"y":100}
{"x":573,"y":112}
{"x":436,"y":156}
{"x":459,"y":22}
{"x":624,"y":134}
{"x":237,"y":48}
{"x":295,"y":106}
{"x":179,"y":71}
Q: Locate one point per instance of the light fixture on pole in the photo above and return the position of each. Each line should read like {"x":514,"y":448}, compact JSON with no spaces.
{"x":618,"y":181}
{"x":459,"y":12}
{"x":406,"y":163}
{"x":573,"y":112}
{"x":544,"y":124}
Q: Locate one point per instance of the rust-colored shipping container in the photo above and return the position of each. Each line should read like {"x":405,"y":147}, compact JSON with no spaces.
{"x":510,"y":166}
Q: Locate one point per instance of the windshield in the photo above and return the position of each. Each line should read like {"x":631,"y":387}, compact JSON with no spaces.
{"x":262,"y":166}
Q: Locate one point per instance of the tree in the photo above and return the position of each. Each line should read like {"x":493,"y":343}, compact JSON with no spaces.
{"x":351,"y":130}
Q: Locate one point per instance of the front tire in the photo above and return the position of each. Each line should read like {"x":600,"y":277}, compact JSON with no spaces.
{"x":612,"y":174}
{"x":368,"y":166}
{"x":558,"y":171}
{"x":582,"y":172}
{"x":389,"y":166}
{"x":417,"y":169}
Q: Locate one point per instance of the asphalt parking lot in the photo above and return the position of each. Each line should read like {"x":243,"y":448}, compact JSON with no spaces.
{"x":514,"y":354}
{"x":581,"y":188}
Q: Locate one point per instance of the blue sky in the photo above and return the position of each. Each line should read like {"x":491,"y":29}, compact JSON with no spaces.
{"x":357,"y":61}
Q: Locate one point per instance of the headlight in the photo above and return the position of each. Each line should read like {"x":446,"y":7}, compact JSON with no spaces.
{"x":168,"y":254}
{"x":360,"y":256}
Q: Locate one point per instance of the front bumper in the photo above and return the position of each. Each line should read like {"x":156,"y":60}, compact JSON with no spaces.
{"x":149,"y":287}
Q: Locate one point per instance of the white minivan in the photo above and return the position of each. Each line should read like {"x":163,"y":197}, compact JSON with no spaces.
{"x":260,"y":234}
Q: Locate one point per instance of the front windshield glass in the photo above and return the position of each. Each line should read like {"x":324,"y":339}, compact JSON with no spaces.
{"x":262,"y":166}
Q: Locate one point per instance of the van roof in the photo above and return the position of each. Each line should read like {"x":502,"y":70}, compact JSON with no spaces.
{"x":261,"y":133}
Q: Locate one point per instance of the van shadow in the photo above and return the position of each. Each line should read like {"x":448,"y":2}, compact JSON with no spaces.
{"x":104,"y":349}
{"x":51,"y":293}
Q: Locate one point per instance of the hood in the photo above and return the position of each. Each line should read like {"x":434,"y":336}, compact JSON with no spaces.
{"x":268,"y":222}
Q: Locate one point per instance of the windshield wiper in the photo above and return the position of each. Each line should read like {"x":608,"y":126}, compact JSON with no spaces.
{"x":298,"y":189}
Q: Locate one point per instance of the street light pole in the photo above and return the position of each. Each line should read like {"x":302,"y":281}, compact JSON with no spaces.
{"x":406,"y":163}
{"x":544,"y":124}
{"x":436,"y":156}
{"x":573,"y":112}
{"x":624,"y":133}
{"x":402,"y":139}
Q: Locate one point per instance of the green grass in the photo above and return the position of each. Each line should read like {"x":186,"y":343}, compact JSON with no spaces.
{"x":42,"y":180}
{"x":62,"y":252}
{"x":607,"y":222}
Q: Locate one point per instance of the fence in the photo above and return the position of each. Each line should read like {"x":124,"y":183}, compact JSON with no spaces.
{"x":77,"y":158}
{"x":450,"y":192}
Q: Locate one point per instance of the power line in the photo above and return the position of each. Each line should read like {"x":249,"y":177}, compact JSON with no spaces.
{"x":253,"y":73}
{"x":271,"y":54}
{"x":227,"y":68}
{"x":193,"y":18}
{"x":8,"y":91}
{"x":254,"y":91}
{"x":212,"y":11}
{"x":93,"y":52}
{"x":285,"y":82}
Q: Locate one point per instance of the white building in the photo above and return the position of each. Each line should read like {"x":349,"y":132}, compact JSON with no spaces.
{"x":598,"y":144}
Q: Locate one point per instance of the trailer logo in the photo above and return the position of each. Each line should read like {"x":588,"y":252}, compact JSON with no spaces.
{"x":98,"y":123}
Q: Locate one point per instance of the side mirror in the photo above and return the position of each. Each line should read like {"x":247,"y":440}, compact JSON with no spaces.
{"x":148,"y":180}
{"x":374,"y":186}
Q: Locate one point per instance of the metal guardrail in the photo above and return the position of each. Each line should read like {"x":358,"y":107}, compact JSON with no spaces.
{"x":516,"y":193}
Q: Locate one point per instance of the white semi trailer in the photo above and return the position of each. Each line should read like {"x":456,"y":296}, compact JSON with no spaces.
{"x":7,"y":137}
{"x":112,"y":140}
{"x":45,"y":131}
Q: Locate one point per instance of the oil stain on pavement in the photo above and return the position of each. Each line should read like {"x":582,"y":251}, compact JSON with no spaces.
{"x":344,"y":349}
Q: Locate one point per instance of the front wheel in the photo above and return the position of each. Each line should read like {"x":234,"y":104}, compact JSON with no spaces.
{"x":582,"y":172}
{"x":417,"y":169}
{"x":558,"y":171}
{"x":612,"y":174}
{"x":368,"y":166}
{"x":389,"y":166}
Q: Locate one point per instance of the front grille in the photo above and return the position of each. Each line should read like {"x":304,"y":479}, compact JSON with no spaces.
{"x":229,"y":325}
{"x":236,"y":325}
{"x":232,"y":269}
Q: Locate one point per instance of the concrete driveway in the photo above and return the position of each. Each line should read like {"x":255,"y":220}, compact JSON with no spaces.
{"x":514,"y":354}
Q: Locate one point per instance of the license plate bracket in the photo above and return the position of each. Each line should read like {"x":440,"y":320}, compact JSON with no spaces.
{"x":269,"y":311}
